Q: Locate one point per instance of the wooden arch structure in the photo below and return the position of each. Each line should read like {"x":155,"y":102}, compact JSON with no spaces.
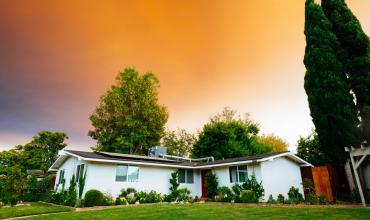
{"x":357,"y":156}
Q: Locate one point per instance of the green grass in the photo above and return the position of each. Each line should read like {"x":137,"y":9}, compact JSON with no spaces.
{"x":33,"y":209}
{"x":213,"y":212}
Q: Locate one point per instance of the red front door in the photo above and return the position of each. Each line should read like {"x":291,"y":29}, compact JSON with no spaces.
{"x":204,"y":187}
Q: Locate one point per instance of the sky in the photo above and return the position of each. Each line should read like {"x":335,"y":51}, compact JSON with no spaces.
{"x":58,"y":57}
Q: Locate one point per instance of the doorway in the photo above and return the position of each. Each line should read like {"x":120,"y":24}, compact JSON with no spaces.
{"x":204,"y":187}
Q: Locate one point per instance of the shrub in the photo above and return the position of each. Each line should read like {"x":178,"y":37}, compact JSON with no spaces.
{"x":312,"y":199}
{"x":248,"y":196}
{"x":121,"y":201}
{"x":280,"y":199}
{"x":72,"y":193}
{"x":294,"y":195}
{"x":322,"y":199}
{"x":93,"y":197}
{"x":174,"y":181}
{"x":183,"y":195}
{"x":129,"y":194}
{"x":271,"y":200}
{"x":108,"y":200}
{"x":237,"y":189}
{"x":38,"y":190}
{"x":252,"y":184}
{"x":224,"y":194}
{"x":212,"y":185}
{"x":153,"y":197}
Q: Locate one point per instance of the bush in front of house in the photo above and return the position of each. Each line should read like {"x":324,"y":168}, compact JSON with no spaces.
{"x":271,"y":200}
{"x":294,"y":195}
{"x":248,"y":196}
{"x":257,"y":187}
{"x":224,"y":194}
{"x":93,"y":197}
{"x":212,"y":185}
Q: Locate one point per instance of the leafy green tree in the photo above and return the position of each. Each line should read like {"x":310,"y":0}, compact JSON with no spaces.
{"x":129,"y":118}
{"x":310,"y":150}
{"x":354,"y":53}
{"x":332,"y":107}
{"x":275,"y":143}
{"x":212,"y":185}
{"x":228,"y":136}
{"x":42,"y":151}
{"x":179,"y":142}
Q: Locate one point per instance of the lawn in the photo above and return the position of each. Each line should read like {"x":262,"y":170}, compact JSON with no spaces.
{"x":214,"y":211}
{"x":33,"y":209}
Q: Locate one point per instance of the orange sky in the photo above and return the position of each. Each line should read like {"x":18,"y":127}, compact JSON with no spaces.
{"x":58,"y":57}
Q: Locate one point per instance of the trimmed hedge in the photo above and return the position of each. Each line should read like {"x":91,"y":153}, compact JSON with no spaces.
{"x":93,"y":197}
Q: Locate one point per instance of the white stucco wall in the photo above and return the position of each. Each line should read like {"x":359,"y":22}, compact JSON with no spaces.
{"x":279,"y":175}
{"x":102,"y":176}
{"x":69,"y":167}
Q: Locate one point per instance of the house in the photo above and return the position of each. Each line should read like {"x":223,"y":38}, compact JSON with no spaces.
{"x":111,"y":172}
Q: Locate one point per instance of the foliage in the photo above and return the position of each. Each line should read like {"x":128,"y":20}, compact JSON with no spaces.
{"x":224,"y":194}
{"x":72,"y":192}
{"x":280,"y":199}
{"x":252,"y":184}
{"x":271,"y":200}
{"x":294,"y":195}
{"x":275,"y":143}
{"x":183,"y":195}
{"x":354,"y":53}
{"x":108,"y":200}
{"x":174,"y":181}
{"x":237,"y":189}
{"x":248,"y":196}
{"x":129,"y":118}
{"x":179,"y":142}
{"x":129,"y":194}
{"x":228,"y":136}
{"x":13,"y":184}
{"x":309,"y":149}
{"x":121,"y":201}
{"x":312,"y":199}
{"x":38,"y":190}
{"x":151,"y":197}
{"x":212,"y":185}
{"x":332,"y":106}
{"x":93,"y":197}
{"x":322,"y":199}
{"x":42,"y":151}
{"x":308,"y":186}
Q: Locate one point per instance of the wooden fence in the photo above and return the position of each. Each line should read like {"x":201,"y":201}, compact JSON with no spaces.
{"x":328,"y":180}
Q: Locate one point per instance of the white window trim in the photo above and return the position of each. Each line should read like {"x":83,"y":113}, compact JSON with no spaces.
{"x":186,"y":176}
{"x":127,"y":181}
{"x":237,"y":173}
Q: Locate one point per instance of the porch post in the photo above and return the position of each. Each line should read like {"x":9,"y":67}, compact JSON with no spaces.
{"x":354,"y":165}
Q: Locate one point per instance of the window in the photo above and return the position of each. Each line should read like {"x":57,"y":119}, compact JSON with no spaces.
{"x":238,"y":174}
{"x":80,"y":171}
{"x":61,"y":176}
{"x":186,"y":176}
{"x":127,"y":173}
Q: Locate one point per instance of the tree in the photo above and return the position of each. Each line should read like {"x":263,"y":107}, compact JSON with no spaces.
{"x":309,"y":149}
{"x":275,"y":143}
{"x":129,"y":118}
{"x":42,"y":151}
{"x":354,"y":54}
{"x":332,"y":107}
{"x":179,"y":142}
{"x":228,"y":136}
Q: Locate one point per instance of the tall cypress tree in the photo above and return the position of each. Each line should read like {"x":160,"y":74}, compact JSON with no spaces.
{"x":354,"y":54}
{"x":332,"y":107}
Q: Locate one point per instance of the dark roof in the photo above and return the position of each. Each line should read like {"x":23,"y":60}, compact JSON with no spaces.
{"x":239,"y":159}
{"x":136,"y":158}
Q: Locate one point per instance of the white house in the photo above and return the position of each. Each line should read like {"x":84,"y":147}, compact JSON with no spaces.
{"x":111,"y":172}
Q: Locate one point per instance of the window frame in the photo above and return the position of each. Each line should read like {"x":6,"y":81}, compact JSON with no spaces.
{"x":61,"y":176}
{"x":237,"y":176}
{"x":127,"y":178}
{"x":186,"y":175}
{"x":80,"y":171}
